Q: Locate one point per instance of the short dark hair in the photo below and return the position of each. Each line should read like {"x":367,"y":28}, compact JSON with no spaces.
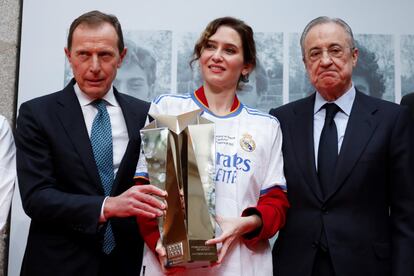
{"x":245,"y":32}
{"x":95,"y":19}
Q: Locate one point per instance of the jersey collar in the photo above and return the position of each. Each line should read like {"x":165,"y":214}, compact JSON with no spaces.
{"x":200,"y":99}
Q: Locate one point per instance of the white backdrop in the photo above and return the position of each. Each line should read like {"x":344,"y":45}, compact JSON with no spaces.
{"x":45,"y":24}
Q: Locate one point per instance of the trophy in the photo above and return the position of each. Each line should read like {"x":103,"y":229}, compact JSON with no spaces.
{"x":180,"y":155}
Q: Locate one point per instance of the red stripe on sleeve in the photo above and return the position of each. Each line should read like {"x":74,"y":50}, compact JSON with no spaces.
{"x":272,"y":208}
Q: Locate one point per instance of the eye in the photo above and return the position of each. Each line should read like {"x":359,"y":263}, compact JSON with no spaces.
{"x":105,"y":55}
{"x":209,"y":46}
{"x":83,"y":54}
{"x":315,"y":54}
{"x":335,"y":51}
{"x":230,"y":50}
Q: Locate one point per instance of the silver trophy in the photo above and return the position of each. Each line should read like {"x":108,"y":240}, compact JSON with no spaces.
{"x":180,"y":155}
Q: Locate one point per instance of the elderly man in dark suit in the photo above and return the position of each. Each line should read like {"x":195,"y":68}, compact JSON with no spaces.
{"x":349,"y":168}
{"x":77,"y":152}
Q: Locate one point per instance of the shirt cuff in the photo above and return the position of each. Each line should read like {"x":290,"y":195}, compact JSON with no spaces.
{"x":102,"y":218}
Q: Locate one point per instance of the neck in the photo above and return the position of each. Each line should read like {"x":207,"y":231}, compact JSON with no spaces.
{"x":220,"y":101}
{"x":331,"y":95}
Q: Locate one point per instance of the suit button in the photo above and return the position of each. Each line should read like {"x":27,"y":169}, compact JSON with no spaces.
{"x":315,"y":244}
{"x":324,"y":210}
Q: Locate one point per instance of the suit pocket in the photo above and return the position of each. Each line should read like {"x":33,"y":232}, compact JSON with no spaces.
{"x":382,"y":250}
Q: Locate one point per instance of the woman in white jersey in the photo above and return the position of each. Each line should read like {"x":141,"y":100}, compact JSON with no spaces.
{"x":251,"y":200}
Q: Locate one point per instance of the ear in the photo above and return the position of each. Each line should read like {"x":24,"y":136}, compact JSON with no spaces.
{"x":121,"y":56}
{"x":247,"y":68}
{"x":67,"y":53}
{"x":355,"y":54}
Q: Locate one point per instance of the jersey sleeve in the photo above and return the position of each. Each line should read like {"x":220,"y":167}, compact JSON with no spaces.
{"x":274,"y":174}
{"x":273,"y":203}
{"x":7,"y":170}
{"x":141,"y":172}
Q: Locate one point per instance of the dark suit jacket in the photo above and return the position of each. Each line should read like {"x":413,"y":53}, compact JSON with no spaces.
{"x":368,"y":213}
{"x":61,"y":189}
{"x":408,"y":100}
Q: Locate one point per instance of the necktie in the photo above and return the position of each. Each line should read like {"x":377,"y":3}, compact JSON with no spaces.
{"x":101,"y":140}
{"x":328,"y":149}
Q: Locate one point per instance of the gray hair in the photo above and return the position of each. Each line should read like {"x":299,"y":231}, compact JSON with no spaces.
{"x":323,"y":20}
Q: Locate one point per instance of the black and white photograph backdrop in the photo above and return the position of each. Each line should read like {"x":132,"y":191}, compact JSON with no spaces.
{"x":160,"y":35}
{"x":407,"y":64}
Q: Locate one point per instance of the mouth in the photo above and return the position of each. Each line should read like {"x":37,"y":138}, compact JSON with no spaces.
{"x":94,"y":82}
{"x":328,"y":74}
{"x":216,"y":68}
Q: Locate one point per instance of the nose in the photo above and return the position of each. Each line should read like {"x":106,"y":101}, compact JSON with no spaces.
{"x":95,"y":64}
{"x":326,"y":58}
{"x":217,"y":57}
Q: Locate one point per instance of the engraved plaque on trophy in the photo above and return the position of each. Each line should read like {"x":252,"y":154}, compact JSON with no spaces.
{"x":179,"y":151}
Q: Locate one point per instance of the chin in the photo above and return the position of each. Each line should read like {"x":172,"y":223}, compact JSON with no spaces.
{"x":95,"y":92}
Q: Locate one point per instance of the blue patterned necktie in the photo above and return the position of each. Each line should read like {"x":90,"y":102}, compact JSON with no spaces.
{"x":101,"y":140}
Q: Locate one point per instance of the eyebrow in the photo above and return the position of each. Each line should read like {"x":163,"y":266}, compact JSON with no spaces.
{"x":330,"y":45}
{"x":226,"y":44}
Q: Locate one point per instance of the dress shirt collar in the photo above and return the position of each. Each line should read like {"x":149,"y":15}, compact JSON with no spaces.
{"x":344,"y":102}
{"x":84,"y":100}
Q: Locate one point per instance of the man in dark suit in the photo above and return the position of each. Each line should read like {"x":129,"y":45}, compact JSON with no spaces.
{"x":77,"y":152}
{"x":349,"y":170}
{"x":408,"y":100}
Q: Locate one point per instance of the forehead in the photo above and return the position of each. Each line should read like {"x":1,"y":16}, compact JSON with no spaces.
{"x":326,"y":34}
{"x":103,"y":34}
{"x":227,"y":35}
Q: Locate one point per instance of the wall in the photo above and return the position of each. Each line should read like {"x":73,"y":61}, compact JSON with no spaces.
{"x":9,"y":29}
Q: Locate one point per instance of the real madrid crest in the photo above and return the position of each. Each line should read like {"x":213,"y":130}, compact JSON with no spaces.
{"x":247,"y":143}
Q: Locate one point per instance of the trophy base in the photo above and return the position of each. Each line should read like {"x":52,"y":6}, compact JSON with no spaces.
{"x":199,"y":255}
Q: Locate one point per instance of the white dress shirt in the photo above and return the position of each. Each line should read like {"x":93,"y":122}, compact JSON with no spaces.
{"x":7,"y":170}
{"x":119,"y":130}
{"x":120,"y":136}
{"x":345,"y":103}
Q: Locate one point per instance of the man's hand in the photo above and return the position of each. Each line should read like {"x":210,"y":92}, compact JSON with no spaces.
{"x":232,"y":229}
{"x":138,"y":200}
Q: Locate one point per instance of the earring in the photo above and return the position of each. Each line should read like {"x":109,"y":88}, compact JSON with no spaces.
{"x":245,"y":78}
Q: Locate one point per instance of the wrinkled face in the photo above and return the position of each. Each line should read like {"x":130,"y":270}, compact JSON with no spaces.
{"x":221,"y":59}
{"x":131,"y":79}
{"x":95,"y":58}
{"x":329,"y":59}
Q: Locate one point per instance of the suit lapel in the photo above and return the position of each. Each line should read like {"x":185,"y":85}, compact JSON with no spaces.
{"x":303,"y":143}
{"x":71,"y":116}
{"x":361,"y":125}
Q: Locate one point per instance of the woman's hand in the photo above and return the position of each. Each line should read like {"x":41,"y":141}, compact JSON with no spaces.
{"x":232,"y":229}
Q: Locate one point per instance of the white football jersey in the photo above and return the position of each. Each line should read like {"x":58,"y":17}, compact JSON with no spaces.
{"x":248,"y":163}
